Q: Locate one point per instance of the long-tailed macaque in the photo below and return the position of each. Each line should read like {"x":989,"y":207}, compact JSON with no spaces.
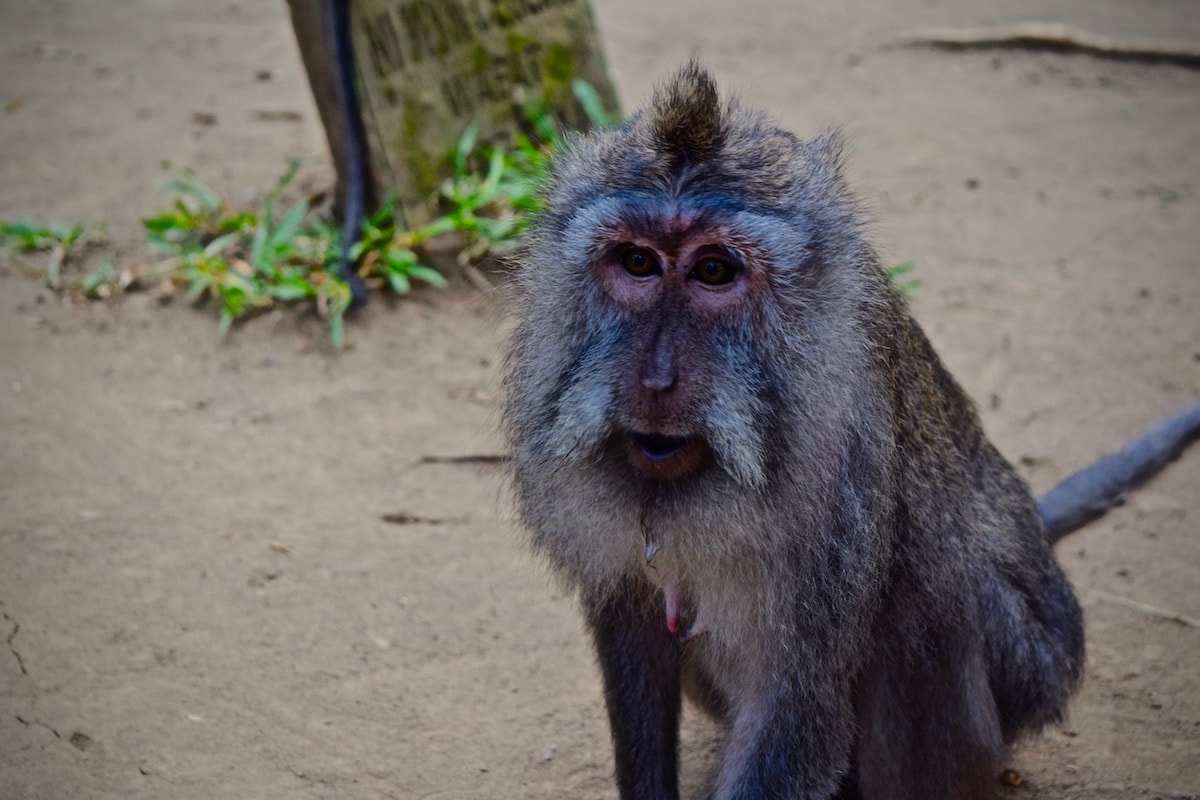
{"x":733,"y":441}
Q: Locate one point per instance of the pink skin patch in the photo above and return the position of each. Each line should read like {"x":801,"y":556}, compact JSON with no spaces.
{"x":671,"y":596}
{"x":671,"y":599}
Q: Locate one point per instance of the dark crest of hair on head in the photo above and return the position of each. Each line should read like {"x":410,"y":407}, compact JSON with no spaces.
{"x":686,"y":116}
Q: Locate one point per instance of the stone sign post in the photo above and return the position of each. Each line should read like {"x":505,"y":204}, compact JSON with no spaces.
{"x":427,"y":69}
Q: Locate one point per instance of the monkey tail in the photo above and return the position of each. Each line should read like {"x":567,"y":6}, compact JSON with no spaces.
{"x":337,"y":18}
{"x":1098,"y":487}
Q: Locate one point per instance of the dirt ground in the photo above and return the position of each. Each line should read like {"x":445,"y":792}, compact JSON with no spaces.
{"x":200,"y":597}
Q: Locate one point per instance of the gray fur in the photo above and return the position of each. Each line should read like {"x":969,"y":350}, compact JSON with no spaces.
{"x":882,"y":608}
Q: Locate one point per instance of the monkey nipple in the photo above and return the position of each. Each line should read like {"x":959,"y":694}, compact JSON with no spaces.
{"x":671,"y":600}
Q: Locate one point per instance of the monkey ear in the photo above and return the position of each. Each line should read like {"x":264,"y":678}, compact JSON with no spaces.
{"x":826,"y":160}
{"x":685,"y":116}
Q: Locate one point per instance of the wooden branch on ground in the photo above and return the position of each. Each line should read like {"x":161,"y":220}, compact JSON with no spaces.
{"x":1057,"y":37}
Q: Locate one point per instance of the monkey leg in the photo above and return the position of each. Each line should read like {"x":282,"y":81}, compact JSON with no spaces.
{"x":929,"y":725}
{"x":702,"y":690}
{"x":1035,"y":647}
{"x":791,"y":741}
{"x":640,"y":662}
{"x":1028,"y":614}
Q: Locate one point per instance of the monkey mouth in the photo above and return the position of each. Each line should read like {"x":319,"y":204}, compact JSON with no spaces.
{"x":659,"y":446}
{"x":666,"y":457}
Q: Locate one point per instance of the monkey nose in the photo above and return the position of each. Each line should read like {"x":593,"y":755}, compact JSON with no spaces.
{"x":659,"y":380}
{"x":659,"y":374}
{"x":659,"y":370}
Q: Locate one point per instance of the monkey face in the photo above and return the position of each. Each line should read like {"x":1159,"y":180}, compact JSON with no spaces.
{"x":673,"y":276}
{"x":658,"y":372}
{"x":673,"y":295}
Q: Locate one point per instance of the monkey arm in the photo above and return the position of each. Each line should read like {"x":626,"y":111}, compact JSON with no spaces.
{"x":639,"y":659}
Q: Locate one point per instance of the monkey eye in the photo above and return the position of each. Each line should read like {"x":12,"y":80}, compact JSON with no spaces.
{"x":712,"y":271}
{"x":640,"y":262}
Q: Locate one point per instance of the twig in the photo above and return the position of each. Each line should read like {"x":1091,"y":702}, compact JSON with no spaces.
{"x":1162,"y":613}
{"x":1056,"y":37}
{"x":469,"y":458}
{"x":54,"y":266}
{"x":28,"y":268}
{"x":157,"y":269}
{"x":477,"y":278}
{"x":405,"y":518}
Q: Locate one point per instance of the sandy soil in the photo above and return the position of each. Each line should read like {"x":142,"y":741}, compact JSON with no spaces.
{"x":200,"y":597}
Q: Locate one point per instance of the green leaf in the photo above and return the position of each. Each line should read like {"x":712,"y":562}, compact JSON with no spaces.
{"x":337,"y":330}
{"x":290,"y":224}
{"x":400,"y":258}
{"x":538,"y":114}
{"x":27,"y":236}
{"x":490,"y":188}
{"x":187,"y":184}
{"x":291,"y":291}
{"x":436,"y":228}
{"x":466,"y":145}
{"x":239,"y":286}
{"x":224,"y":323}
{"x":103,"y":275}
{"x":399,"y":282}
{"x":195,"y":290}
{"x":258,"y":244}
{"x":160,"y":223}
{"x":66,"y":234}
{"x":589,"y":99}
{"x":238,"y":223}
{"x":430,"y":276}
{"x":276,"y":190}
{"x":220,"y":244}
{"x":895,"y":275}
